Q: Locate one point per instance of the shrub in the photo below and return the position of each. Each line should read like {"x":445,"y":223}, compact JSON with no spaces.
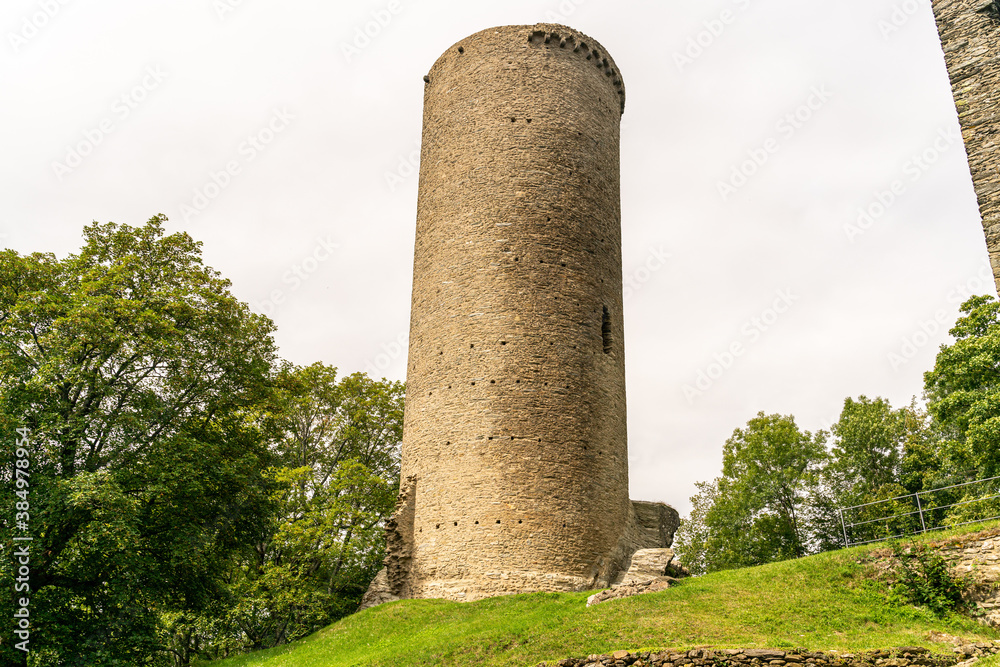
{"x":924,"y":579}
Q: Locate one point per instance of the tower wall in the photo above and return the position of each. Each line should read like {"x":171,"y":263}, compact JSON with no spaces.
{"x":970,"y":35}
{"x":515,"y":398}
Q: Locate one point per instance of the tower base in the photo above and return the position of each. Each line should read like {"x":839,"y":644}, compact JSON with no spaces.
{"x":649,"y":526}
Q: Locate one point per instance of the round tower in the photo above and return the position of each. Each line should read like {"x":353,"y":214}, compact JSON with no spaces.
{"x":514,"y":442}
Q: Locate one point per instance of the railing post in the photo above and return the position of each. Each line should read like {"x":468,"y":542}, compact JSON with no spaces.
{"x":921,"y":510}
{"x":843,"y":527}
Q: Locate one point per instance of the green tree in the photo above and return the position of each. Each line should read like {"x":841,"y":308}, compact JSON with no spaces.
{"x":867,"y":444}
{"x":141,"y":380}
{"x":337,"y":477}
{"x":922,"y":466}
{"x":963,"y":390}
{"x":865,"y":467}
{"x":756,"y":515}
{"x":692,"y":541}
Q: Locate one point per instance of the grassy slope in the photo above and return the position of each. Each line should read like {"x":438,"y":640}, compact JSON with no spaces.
{"x":816,"y":603}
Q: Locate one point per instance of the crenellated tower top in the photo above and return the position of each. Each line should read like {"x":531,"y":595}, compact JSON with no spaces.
{"x":558,"y":38}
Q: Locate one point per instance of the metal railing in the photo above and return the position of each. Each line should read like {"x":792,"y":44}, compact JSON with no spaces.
{"x":925,"y":512}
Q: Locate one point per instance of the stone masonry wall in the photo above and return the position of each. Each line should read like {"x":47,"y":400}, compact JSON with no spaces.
{"x":977,"y":556}
{"x":515,"y":395}
{"x":970,"y":35}
{"x":904,"y":656}
{"x":399,"y":539}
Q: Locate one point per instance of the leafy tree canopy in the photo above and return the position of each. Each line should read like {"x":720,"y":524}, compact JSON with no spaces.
{"x":963,"y":390}
{"x":142,"y":382}
{"x":752,"y":514}
{"x":338,"y":476}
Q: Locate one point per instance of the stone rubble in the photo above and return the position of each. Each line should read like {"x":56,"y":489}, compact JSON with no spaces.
{"x":903,"y":656}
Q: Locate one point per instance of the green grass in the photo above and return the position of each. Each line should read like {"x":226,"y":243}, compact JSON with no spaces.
{"x":989,"y":661}
{"x":823,"y":602}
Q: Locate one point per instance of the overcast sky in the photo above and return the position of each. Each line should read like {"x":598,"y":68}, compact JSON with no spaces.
{"x":285,"y":136}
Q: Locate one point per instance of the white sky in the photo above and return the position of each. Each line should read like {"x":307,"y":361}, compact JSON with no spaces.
{"x":163,"y":94}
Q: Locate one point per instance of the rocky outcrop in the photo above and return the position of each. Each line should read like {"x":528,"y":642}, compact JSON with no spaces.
{"x":656,"y":524}
{"x":630,"y":590}
{"x":649,"y":564}
{"x":649,"y":571}
{"x":399,"y":538}
{"x":649,"y":526}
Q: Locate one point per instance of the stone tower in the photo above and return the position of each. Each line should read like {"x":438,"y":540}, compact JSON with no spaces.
{"x":514,"y":458}
{"x":970,"y":35}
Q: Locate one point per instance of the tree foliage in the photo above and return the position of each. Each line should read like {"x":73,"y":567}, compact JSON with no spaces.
{"x":140,"y":379}
{"x":753,"y":513}
{"x":964,"y":390}
{"x":782,"y":490}
{"x":336,"y":476}
{"x":869,"y":452}
{"x":867,"y":445}
{"x":693,"y":538}
{"x":768,"y":504}
{"x":191,"y":497}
